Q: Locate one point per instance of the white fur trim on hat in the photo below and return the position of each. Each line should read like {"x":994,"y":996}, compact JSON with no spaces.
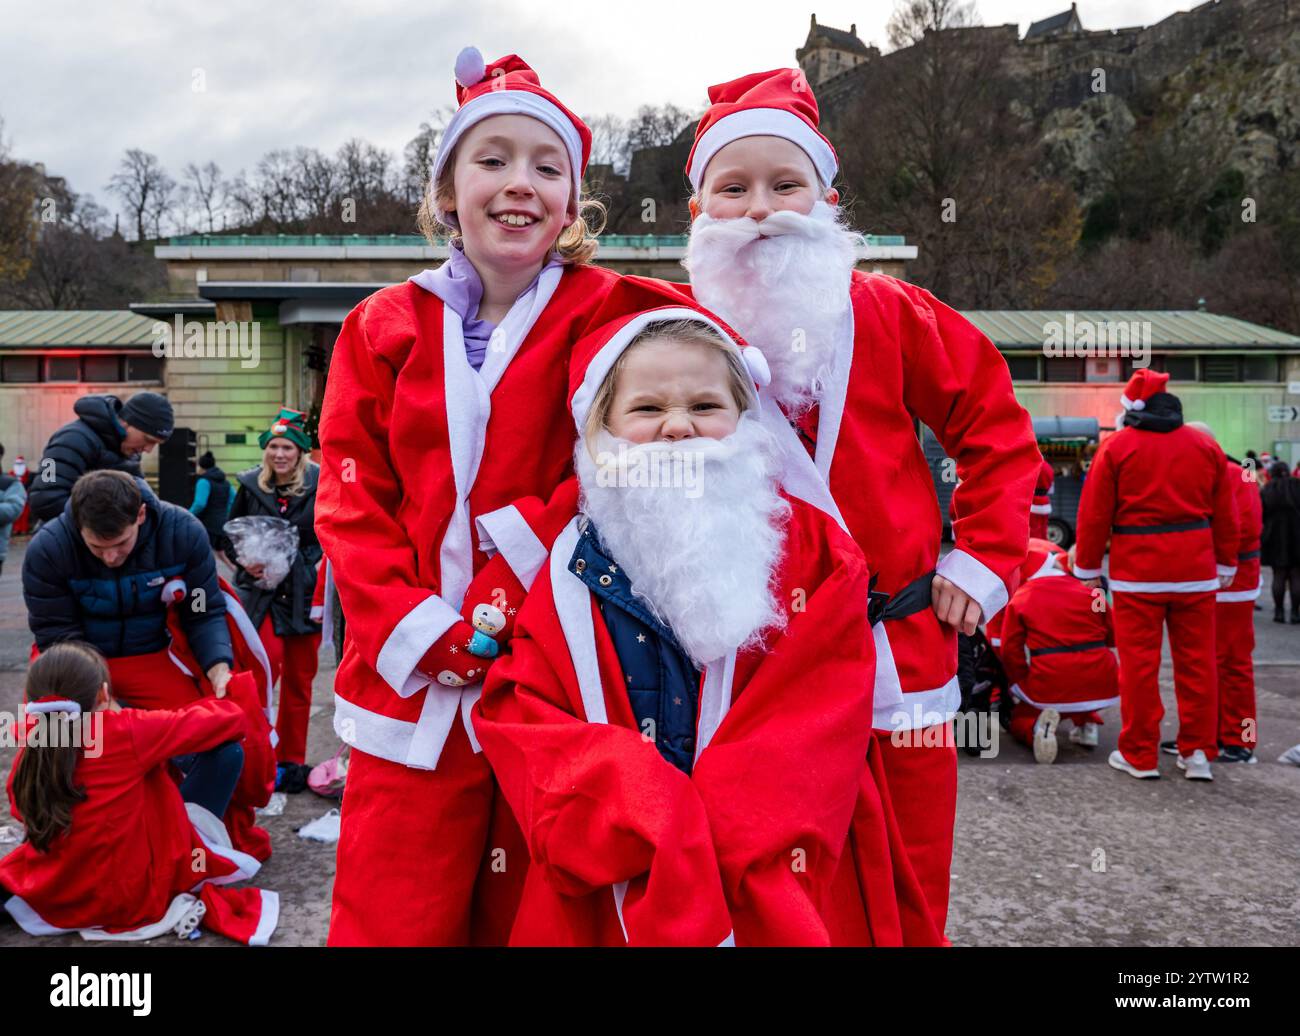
{"x":510,"y":102}
{"x":603,"y":362}
{"x":763,"y":122}
{"x":1130,"y":404}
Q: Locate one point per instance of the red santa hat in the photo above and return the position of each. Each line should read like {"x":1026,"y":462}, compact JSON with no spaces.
{"x":1144,"y":384}
{"x":637,"y":303}
{"x":1042,"y":556}
{"x":509,"y":86}
{"x":779,"y":103}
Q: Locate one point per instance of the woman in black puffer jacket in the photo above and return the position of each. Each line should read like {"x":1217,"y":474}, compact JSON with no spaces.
{"x":284,"y":486}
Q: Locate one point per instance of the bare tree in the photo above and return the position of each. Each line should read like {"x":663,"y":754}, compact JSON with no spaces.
{"x":419,"y":153}
{"x":144,"y":188}
{"x":912,"y":19}
{"x":206,"y":189}
{"x":656,"y":126}
{"x":609,"y":141}
{"x":17,"y":213}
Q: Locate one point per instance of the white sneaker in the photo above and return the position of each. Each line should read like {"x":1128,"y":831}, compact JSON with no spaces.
{"x":1195,"y":767}
{"x":1085,"y":735}
{"x":1045,"y":736}
{"x":1118,"y":761}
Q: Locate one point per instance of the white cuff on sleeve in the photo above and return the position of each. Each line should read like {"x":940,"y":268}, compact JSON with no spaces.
{"x":1086,"y":573}
{"x":418,"y":631}
{"x":505,"y":530}
{"x":976,"y":579}
{"x":1226,"y":570}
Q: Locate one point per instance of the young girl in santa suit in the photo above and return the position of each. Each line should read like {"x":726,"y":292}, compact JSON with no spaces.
{"x":114,"y":849}
{"x":443,"y":437}
{"x":857,"y":360}
{"x":671,"y":787}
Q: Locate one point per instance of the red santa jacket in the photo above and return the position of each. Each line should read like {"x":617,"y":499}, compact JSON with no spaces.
{"x":1245,"y":585}
{"x":1164,"y":500}
{"x":428,"y":466}
{"x":624,"y":847}
{"x":911,"y":358}
{"x":1057,"y":637}
{"x":136,"y":856}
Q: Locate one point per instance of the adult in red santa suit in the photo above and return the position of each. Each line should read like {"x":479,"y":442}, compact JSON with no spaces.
{"x":669,"y":786}
{"x":1042,"y":505}
{"x":857,"y":360}
{"x":1160,"y":493}
{"x":1057,"y":637}
{"x":445,"y":404}
{"x":1234,"y":622}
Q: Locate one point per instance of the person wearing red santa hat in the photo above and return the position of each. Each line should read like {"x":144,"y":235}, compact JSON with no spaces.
{"x":114,"y":849}
{"x":1159,"y":492}
{"x":23,"y":523}
{"x":1039,"y":554}
{"x":1234,"y":622}
{"x":857,"y":360}
{"x":1041,"y":507}
{"x":671,"y":790}
{"x":444,"y":435}
{"x":1057,"y":637}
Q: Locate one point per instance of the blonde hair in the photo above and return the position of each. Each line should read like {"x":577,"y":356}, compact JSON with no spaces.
{"x":691,"y":332}
{"x":576,"y":244}
{"x":296,"y":485}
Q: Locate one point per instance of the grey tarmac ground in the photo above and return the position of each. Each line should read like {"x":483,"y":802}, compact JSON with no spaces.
{"x":1069,"y":854}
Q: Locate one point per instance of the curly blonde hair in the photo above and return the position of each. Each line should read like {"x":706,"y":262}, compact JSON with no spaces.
{"x":576,"y":244}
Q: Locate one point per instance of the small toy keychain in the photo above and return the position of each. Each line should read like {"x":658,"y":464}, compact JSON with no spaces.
{"x":488,"y":620}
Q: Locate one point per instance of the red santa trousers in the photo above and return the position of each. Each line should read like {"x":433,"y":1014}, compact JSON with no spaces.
{"x":152,"y":681}
{"x":1139,"y":622}
{"x":410,"y":848}
{"x":1234,"y":638}
{"x":1038,"y":526}
{"x":922,"y":779}
{"x":293,"y":662}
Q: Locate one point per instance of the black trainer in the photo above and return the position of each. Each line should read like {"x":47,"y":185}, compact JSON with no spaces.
{"x":1169,"y":747}
{"x":1235,"y":754}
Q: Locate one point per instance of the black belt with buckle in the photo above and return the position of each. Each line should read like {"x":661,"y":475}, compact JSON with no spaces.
{"x":913,"y":598}
{"x":1147,"y":530}
{"x":1250,"y":555}
{"x":1068,"y":649}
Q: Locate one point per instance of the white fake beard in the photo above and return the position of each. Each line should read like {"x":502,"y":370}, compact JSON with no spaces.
{"x":698,"y":527}
{"x":784,"y":285}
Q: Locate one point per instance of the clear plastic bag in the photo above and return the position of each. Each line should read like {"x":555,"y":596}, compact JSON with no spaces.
{"x":263,"y":540}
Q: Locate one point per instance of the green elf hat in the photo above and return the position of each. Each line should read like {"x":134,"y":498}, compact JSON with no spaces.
{"x":288,"y":425}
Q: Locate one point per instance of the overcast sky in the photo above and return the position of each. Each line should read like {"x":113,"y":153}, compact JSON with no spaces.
{"x":81,"y":82}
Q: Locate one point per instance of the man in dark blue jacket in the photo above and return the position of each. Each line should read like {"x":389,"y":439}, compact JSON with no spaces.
{"x":107,"y":434}
{"x":106,"y":571}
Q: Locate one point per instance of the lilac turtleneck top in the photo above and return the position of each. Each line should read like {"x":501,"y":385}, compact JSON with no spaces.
{"x":459,"y":286}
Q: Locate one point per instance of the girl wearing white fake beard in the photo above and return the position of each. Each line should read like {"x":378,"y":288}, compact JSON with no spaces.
{"x":680,"y":487}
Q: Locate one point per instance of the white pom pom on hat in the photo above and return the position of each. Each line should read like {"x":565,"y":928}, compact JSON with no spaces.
{"x":470,"y":67}
{"x":757,"y":364}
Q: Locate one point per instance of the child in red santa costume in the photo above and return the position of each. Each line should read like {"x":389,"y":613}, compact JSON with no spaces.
{"x":857,"y":359}
{"x":671,"y":787}
{"x":1056,"y":640}
{"x":444,"y":433}
{"x":113,"y":848}
{"x":1160,"y":493}
{"x":1234,"y":622}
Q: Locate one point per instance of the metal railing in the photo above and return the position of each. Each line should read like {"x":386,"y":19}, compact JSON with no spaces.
{"x":644,"y":241}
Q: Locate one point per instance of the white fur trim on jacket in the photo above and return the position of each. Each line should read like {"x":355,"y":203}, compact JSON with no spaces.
{"x":1086,"y":573}
{"x":1040,"y":508}
{"x":1065,"y":707}
{"x":505,"y":531}
{"x":1232,"y":596}
{"x":973,"y":577}
{"x":1191,"y":586}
